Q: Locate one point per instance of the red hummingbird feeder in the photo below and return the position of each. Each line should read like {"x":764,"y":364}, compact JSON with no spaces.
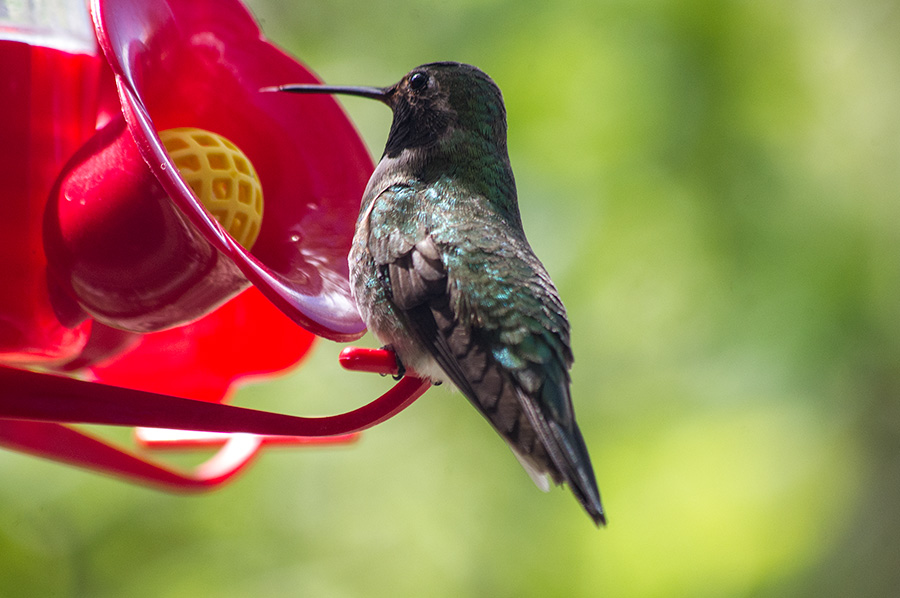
{"x":169,"y":231}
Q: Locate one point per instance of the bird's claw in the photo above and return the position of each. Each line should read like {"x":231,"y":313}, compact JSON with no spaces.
{"x":401,"y":369}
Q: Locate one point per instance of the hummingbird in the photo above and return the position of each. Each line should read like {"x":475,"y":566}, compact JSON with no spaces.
{"x":443,"y":275}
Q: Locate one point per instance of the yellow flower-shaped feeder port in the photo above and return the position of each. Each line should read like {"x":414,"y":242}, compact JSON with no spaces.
{"x":222,"y":178}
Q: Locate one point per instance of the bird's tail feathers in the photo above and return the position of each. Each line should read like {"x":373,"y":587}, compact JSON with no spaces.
{"x":569,"y":461}
{"x":576,"y":469}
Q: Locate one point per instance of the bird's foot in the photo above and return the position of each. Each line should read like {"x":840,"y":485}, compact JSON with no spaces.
{"x":401,"y":369}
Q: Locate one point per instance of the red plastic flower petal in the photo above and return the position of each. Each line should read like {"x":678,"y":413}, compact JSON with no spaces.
{"x":201,"y":64}
{"x":245,"y":337}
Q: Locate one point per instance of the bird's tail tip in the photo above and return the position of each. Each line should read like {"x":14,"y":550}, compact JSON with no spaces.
{"x":595,"y":512}
{"x":585,"y":490}
{"x":578,"y":473}
{"x":584,"y":487}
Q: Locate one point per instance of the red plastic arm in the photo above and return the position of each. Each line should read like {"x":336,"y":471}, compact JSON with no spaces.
{"x":32,"y":405}
{"x":63,"y":444}
{"x":46,"y":397}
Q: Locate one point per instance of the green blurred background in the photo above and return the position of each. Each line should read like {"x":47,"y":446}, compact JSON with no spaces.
{"x":714,"y":188}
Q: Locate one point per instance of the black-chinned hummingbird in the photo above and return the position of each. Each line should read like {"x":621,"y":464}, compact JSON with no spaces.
{"x":442,"y":273}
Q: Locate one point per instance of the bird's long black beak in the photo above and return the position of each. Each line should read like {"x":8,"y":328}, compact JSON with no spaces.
{"x":382,"y":94}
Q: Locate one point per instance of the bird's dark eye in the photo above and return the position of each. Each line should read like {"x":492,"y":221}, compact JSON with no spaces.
{"x":418,"y":81}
